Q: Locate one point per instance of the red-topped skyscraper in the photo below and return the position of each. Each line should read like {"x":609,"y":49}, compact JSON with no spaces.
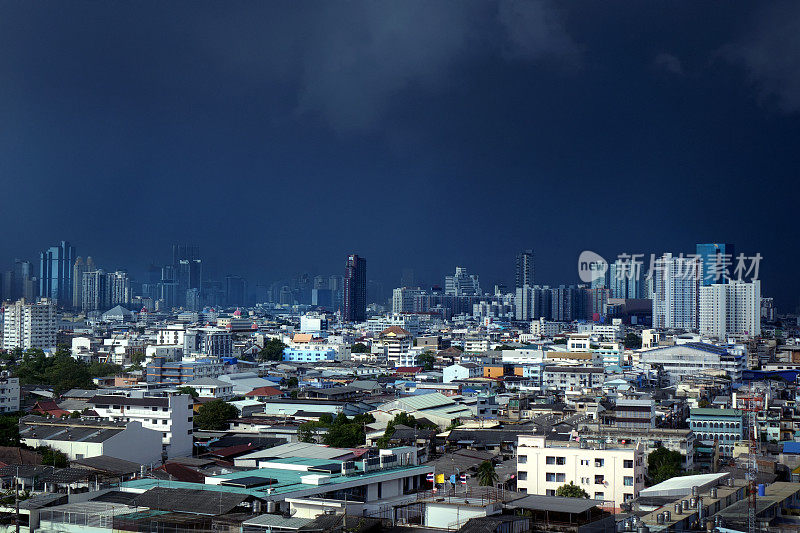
{"x":355,"y":289}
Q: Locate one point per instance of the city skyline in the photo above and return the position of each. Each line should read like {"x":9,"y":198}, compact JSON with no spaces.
{"x":257,"y":155}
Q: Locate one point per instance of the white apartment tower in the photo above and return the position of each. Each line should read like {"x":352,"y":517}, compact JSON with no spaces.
{"x":732,"y":308}
{"x":676,"y":283}
{"x":30,"y":325}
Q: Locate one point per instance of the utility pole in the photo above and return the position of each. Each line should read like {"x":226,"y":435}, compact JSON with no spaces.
{"x":16,"y":498}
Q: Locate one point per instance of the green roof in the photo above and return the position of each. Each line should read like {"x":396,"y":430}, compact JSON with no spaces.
{"x":706,"y":411}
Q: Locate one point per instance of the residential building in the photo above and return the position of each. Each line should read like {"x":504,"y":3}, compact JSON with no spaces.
{"x":572,"y":378}
{"x":614,"y":475}
{"x":544,"y":328}
{"x":403,"y":299}
{"x":170,"y":415}
{"x":676,"y":282}
{"x":81,"y":439}
{"x":460,"y":372}
{"x":166,"y":371}
{"x":462,"y":284}
{"x":212,"y":388}
{"x":524,"y":269}
{"x":208,"y":341}
{"x":732,"y":308}
{"x":30,"y":325}
{"x":94,"y":291}
{"x":395,"y":343}
{"x":355,"y":289}
{"x":9,"y":393}
{"x":723,"y":426}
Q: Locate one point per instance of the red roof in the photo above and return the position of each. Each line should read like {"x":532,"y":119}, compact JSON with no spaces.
{"x":179,"y":472}
{"x":232,"y":451}
{"x":408,"y":369}
{"x":49,"y":407}
{"x":264,"y":391}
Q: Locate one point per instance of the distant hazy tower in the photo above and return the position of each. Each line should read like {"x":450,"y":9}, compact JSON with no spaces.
{"x":524,"y":273}
{"x":355,"y":289}
{"x":55,"y":273}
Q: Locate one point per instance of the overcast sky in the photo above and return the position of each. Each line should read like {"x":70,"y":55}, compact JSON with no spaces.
{"x":281,"y":136}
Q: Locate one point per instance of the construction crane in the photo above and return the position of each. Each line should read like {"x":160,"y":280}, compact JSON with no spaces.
{"x":752,"y":403}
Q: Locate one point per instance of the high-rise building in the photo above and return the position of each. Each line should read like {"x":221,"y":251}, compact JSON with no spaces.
{"x":118,"y":285}
{"x":403,"y":299}
{"x":524,"y":270}
{"x":716,"y":258}
{"x":462,"y":284}
{"x":625,"y":280}
{"x":30,"y":325}
{"x":77,"y":282}
{"x":188,"y":270}
{"x":676,"y":282}
{"x":55,"y":273}
{"x":94,"y":291}
{"x":730,"y":309}
{"x":235,"y":291}
{"x":355,"y":289}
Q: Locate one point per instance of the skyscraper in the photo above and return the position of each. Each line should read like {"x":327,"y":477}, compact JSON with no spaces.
{"x":55,"y":273}
{"x":676,"y":282}
{"x":524,"y":272}
{"x":188,"y":268}
{"x":462,"y":284}
{"x":355,"y":289}
{"x":717,"y":258}
{"x":77,"y":282}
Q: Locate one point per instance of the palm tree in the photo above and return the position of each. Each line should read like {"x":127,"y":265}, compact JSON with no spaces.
{"x":487,"y":477}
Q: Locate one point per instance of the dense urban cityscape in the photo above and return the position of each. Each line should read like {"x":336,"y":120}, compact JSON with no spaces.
{"x":399,"y":266}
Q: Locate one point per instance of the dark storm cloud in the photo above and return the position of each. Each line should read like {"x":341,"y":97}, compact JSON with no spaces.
{"x":770,"y":52}
{"x":349,"y":60}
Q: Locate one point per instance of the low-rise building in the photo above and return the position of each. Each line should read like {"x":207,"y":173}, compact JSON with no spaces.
{"x":614,"y":475}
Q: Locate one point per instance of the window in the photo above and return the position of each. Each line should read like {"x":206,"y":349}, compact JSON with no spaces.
{"x":521,"y":459}
{"x":550,"y":477}
{"x":561,"y":460}
{"x":599,"y":462}
{"x":627,"y":497}
{"x":627,"y":463}
{"x":599,"y":480}
{"x":550,"y":492}
{"x":163,"y":422}
{"x":584,"y":462}
{"x":522,"y":476}
{"x":561,"y":477}
{"x":627,"y":481}
{"x":599,"y":496}
{"x":550,"y":460}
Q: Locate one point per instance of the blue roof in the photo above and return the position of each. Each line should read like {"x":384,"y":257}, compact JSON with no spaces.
{"x":791,"y":447}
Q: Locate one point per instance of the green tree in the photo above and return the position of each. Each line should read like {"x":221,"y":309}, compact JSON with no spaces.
{"x":51,"y":457}
{"x":403,"y":419}
{"x":487,"y":476}
{"x":633,"y":341}
{"x":272,"y":350}
{"x":137,"y":358}
{"x":359,"y":347}
{"x":571,"y":490}
{"x":191,"y":391}
{"x":9,"y":430}
{"x":426,"y":360}
{"x":214,"y":415}
{"x":663,"y":464}
{"x":292,"y":382}
{"x":307,"y":431}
